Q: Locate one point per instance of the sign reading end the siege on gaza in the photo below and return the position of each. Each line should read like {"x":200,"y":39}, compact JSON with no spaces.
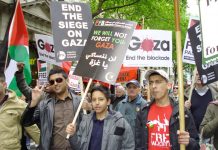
{"x":71,"y":24}
{"x":104,"y":52}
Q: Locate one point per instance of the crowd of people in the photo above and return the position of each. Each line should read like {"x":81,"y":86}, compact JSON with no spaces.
{"x":127,"y":121}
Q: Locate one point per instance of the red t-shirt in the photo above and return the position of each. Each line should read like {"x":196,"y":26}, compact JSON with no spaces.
{"x":158,"y":127}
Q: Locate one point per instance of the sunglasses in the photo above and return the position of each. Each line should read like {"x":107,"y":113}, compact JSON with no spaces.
{"x":175,"y":88}
{"x":58,"y":80}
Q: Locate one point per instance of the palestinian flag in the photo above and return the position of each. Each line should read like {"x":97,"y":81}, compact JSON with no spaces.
{"x":18,"y":51}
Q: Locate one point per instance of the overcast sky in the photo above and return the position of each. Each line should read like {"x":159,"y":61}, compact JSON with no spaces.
{"x":193,"y":7}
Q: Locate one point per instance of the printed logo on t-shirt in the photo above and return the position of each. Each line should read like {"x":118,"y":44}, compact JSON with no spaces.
{"x":158,"y":127}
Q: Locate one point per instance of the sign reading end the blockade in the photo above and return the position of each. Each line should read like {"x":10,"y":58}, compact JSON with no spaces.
{"x":149,"y":48}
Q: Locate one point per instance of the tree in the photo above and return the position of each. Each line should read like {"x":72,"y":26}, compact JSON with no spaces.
{"x":157,"y":14}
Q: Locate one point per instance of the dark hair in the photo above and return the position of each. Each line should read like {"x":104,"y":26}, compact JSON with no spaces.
{"x":102,"y":89}
{"x":2,"y":77}
{"x":57,"y":71}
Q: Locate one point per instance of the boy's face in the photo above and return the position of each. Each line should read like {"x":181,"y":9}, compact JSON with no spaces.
{"x":99,"y":102}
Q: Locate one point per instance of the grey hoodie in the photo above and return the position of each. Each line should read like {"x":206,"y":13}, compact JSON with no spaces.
{"x":110,"y":141}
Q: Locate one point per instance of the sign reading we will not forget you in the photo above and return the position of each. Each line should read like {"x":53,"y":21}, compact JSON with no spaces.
{"x":71,"y":24}
{"x":105,"y":50}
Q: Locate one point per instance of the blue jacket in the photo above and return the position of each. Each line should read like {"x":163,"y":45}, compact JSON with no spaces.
{"x":129,"y":109}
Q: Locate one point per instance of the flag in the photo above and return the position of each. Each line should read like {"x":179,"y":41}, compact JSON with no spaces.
{"x":138,"y":27}
{"x":18,"y":51}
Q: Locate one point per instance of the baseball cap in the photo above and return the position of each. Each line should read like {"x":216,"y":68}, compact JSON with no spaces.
{"x":160,"y":72}
{"x":135,"y":82}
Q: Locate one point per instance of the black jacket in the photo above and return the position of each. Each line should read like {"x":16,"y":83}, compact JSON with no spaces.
{"x":117,"y":100}
{"x":141,"y":133}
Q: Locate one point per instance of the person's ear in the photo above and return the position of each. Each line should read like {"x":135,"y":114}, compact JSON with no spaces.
{"x":169,"y":85}
{"x":109,"y":102}
{"x":67,"y":81}
{"x":4,"y":85}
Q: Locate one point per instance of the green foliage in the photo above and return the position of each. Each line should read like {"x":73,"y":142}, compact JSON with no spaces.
{"x":157,"y":14}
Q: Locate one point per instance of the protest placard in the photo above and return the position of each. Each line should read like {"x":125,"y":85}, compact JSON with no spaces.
{"x":209,"y":71}
{"x":149,"y":48}
{"x":71,"y":24}
{"x":188,"y":56}
{"x":105,"y":50}
{"x":42,"y":72}
{"x":45,"y":48}
{"x":209,"y":24}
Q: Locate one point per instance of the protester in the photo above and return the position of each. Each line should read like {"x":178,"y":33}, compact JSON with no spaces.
{"x":52,"y":110}
{"x":102,"y":129}
{"x":157,"y":124}
{"x":201,"y":97}
{"x":175,"y":93}
{"x":145,"y":92}
{"x":120,"y":94}
{"x":209,"y":125}
{"x":11,"y":109}
{"x":132,"y":103}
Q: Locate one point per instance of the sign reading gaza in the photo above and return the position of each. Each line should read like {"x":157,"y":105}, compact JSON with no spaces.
{"x":105,"y":50}
{"x":71,"y":24}
{"x":151,"y":48}
{"x":45,"y":48}
{"x":208,"y":72}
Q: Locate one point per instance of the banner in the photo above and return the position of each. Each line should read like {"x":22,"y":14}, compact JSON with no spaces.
{"x":45,"y":48}
{"x":71,"y":24}
{"x":127,"y":73}
{"x":188,"y":56}
{"x":105,"y":50}
{"x":208,"y":72}
{"x":149,"y":48}
{"x":209,"y":26}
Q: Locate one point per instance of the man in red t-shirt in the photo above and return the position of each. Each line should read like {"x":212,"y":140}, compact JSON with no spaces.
{"x":157,"y":124}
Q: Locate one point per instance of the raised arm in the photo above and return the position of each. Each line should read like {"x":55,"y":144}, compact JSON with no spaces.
{"x":21,"y":83}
